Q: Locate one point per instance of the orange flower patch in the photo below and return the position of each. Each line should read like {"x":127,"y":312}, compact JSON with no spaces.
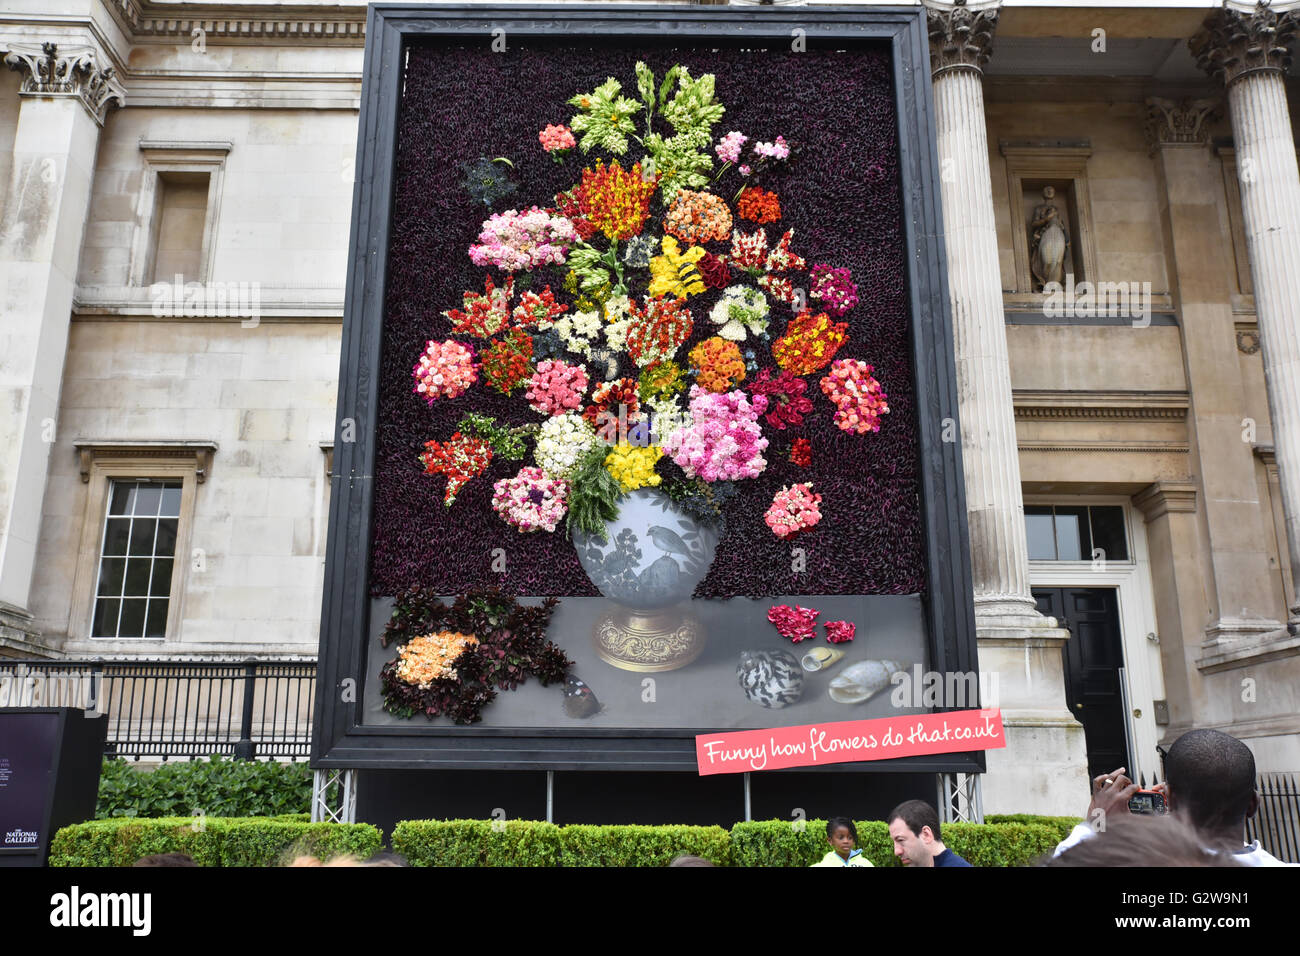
{"x":697,"y":217}
{"x":758,"y":206}
{"x":422,"y":660}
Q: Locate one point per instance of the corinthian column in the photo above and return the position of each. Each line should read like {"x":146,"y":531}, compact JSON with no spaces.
{"x":65,"y":94}
{"x":1045,"y":761}
{"x":1247,"y":52}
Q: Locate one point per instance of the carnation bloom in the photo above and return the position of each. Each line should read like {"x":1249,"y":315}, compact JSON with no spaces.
{"x":556,"y":138}
{"x":556,"y":387}
{"x":794,"y":623}
{"x":794,"y":508}
{"x":729,"y":147}
{"x":445,"y":370}
{"x":531,"y":500}
{"x":857,"y":396}
{"x":723,"y":441}
{"x":515,"y":240}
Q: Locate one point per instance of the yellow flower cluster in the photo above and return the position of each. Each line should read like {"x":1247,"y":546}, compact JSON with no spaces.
{"x":633,"y":467}
{"x":674,"y":274}
{"x":422,"y":660}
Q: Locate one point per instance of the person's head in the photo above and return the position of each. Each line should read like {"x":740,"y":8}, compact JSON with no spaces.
{"x":914,"y":828}
{"x":688,"y":859}
{"x":1211,"y":779}
{"x":166,"y":859}
{"x":1143,"y":841}
{"x":842,"y":835}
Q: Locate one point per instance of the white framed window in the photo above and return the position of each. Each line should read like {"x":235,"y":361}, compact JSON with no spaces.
{"x":137,"y":558}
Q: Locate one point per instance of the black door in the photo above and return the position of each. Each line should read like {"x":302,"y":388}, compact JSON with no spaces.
{"x":1093,"y":658}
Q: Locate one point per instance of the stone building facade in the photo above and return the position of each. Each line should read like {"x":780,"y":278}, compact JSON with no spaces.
{"x":1131,"y":435}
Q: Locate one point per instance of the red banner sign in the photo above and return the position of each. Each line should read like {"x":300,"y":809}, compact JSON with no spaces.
{"x":849,"y":741}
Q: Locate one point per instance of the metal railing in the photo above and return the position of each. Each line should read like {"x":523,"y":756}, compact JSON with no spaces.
{"x":1277,"y":824}
{"x":243,"y":709}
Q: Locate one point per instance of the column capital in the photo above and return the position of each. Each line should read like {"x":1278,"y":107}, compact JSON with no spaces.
{"x":52,"y":69}
{"x":1234,"y":42}
{"x":1182,"y":122}
{"x":960,"y":37}
{"x":1163,"y":497}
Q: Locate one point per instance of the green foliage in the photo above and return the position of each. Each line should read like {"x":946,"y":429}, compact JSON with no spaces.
{"x":210,"y":841}
{"x":510,"y":443}
{"x":591,"y":267}
{"x":593,"y":495}
{"x":778,"y":843}
{"x":1060,"y":825}
{"x":216,"y":788}
{"x":604,"y":118}
{"x":683,"y":160}
{"x":531,"y":843}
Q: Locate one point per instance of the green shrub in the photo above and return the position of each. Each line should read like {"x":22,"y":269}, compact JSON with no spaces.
{"x":778,"y":843}
{"x":531,"y":843}
{"x":217,"y":788}
{"x":1061,"y":825}
{"x":209,"y":841}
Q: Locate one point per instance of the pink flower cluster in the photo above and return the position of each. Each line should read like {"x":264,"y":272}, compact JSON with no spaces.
{"x":514,"y":240}
{"x":530,"y":500}
{"x":794,"y":508}
{"x":778,"y":150}
{"x":556,"y":387}
{"x":840,"y":632}
{"x":723,"y":442}
{"x":795,"y":623}
{"x":445,"y":370}
{"x":728,"y":149}
{"x":556,"y":137}
{"x":834,"y":289}
{"x":856,"y":395}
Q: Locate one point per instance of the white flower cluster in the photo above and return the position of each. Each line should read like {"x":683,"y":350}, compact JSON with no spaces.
{"x":740,"y":310}
{"x":561,"y":443}
{"x":579,"y":331}
{"x":616,"y":317}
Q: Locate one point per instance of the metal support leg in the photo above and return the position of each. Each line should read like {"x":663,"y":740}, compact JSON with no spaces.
{"x":961,"y":798}
{"x":346,"y":809}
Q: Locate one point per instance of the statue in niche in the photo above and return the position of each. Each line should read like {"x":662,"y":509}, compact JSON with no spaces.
{"x":1050,"y":243}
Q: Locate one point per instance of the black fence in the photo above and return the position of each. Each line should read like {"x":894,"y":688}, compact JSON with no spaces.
{"x":1277,"y":824}
{"x":165,"y":709}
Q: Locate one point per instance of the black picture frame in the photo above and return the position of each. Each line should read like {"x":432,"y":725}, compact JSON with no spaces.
{"x":340,"y":738}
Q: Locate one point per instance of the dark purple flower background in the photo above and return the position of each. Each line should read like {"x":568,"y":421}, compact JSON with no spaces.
{"x":840,"y":195}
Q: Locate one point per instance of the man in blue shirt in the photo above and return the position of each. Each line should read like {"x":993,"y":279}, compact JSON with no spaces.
{"x":914,"y":828}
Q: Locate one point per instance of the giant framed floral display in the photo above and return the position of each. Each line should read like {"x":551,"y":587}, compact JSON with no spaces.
{"x":645,"y":386}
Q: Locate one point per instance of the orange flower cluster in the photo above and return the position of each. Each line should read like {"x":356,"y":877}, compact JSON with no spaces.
{"x":758,"y":206}
{"x":615,"y":201}
{"x":697,"y":217}
{"x":656,"y":331}
{"x":422,"y":660}
{"x":718,"y":363}
{"x":809,"y":343}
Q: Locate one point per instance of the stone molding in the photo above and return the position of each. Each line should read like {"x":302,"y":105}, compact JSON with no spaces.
{"x":51,"y":69}
{"x":960,"y":37}
{"x":1149,"y":447}
{"x":1182,"y":122}
{"x":202,"y":452}
{"x":1100,"y":406}
{"x":1166,"y":497}
{"x":308,"y":24}
{"x":1234,"y":43}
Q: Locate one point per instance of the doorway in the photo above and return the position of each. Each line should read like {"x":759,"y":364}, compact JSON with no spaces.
{"x":1094,"y":662}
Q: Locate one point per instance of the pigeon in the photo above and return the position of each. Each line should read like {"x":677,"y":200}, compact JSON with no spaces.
{"x":579,"y":700}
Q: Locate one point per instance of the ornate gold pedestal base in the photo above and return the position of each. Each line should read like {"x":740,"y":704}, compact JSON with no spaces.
{"x":648,"y":641}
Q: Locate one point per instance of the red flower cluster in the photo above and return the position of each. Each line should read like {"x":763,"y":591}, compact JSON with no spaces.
{"x":460,"y":458}
{"x":809,"y":343}
{"x":614,"y":200}
{"x":801,"y":452}
{"x":758,"y":206}
{"x":538,"y":309}
{"x":839,"y":632}
{"x":656,"y":330}
{"x":508,"y":362}
{"x":796,"y":623}
{"x":566,"y":205}
{"x":603,"y":413}
{"x":786,"y":402}
{"x":485,"y":314}
{"x":713,"y":270}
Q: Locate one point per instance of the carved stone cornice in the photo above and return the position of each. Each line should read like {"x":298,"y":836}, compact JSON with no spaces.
{"x":49,"y":69}
{"x":960,"y":38}
{"x":243,"y":22}
{"x":199,"y":452}
{"x":1164,"y":497}
{"x":1182,"y":122}
{"x":1036,"y":405}
{"x":1233,"y":43}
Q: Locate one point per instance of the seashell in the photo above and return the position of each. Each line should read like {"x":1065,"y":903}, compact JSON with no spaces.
{"x":862,"y":680}
{"x":770,"y":678}
{"x":820,"y":658}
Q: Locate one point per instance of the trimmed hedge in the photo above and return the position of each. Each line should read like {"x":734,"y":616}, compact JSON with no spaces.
{"x":217,"y":787}
{"x":1061,"y":825}
{"x":211,"y":842}
{"x":533,"y":843}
